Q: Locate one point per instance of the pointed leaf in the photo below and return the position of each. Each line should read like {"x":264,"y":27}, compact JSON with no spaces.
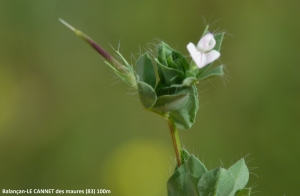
{"x":171,"y":58}
{"x":216,"y":182}
{"x":190,"y":73}
{"x":240,"y":173}
{"x":216,"y":71}
{"x":185,"y":178}
{"x":147,"y":94}
{"x":129,"y":67}
{"x":185,"y":155}
{"x":185,"y":184}
{"x":172,"y":64}
{"x":243,"y":192}
{"x":185,"y":117}
{"x":189,"y":81}
{"x":164,"y":51}
{"x":192,"y":166}
{"x":219,"y":38}
{"x":169,"y":75}
{"x":168,"y":103}
{"x":205,"y":30}
{"x":180,"y":60}
{"x":145,"y":70}
{"x":186,"y":82}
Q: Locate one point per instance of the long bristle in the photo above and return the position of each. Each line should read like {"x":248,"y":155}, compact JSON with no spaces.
{"x":67,"y":24}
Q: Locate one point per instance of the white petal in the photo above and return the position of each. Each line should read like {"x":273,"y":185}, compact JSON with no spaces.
{"x":191,"y":48}
{"x":198,"y":57}
{"x":206,"y":43}
{"x":211,"y":56}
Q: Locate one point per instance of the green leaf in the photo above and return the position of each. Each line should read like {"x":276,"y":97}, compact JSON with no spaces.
{"x":145,"y":70}
{"x":216,"y":71}
{"x":189,"y":81}
{"x":190,"y":73}
{"x":240,"y":174}
{"x":169,"y":75}
{"x":186,"y":82}
{"x":185,"y":117}
{"x":172,"y":64}
{"x":147,"y":94}
{"x":185,"y":155}
{"x":205,"y":30}
{"x":168,"y":103}
{"x":244,"y":192}
{"x":185,"y":178}
{"x":182,"y":184}
{"x":216,"y":182}
{"x":172,"y":58}
{"x":164,"y":51}
{"x":192,"y":166}
{"x":180,"y":60}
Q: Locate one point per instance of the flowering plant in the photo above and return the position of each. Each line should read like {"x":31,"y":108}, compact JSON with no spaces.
{"x":172,"y":94}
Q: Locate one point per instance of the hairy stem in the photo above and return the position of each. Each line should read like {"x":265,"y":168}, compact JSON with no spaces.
{"x":176,"y":141}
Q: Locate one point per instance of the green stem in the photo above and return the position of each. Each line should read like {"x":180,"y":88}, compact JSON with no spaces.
{"x":176,"y":141}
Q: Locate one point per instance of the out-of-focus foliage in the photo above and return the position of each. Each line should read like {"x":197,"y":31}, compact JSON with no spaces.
{"x":58,"y":129}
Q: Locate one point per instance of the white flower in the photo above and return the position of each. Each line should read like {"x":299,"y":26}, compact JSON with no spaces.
{"x":203,"y":53}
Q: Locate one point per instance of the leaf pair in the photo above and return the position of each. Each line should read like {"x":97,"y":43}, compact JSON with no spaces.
{"x":193,"y":179}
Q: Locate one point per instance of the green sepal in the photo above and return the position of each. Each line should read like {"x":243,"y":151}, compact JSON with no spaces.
{"x":185,"y":117}
{"x":243,"y":192}
{"x":205,"y":30}
{"x":169,"y":75}
{"x":216,"y":71}
{"x":216,"y":182}
{"x":219,"y":39}
{"x":145,"y":70}
{"x":147,"y":94}
{"x":240,"y":174}
{"x":127,"y":78}
{"x":169,"y":103}
{"x":129,"y":67}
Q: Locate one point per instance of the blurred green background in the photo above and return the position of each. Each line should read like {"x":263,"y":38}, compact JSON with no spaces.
{"x":66,"y":122}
